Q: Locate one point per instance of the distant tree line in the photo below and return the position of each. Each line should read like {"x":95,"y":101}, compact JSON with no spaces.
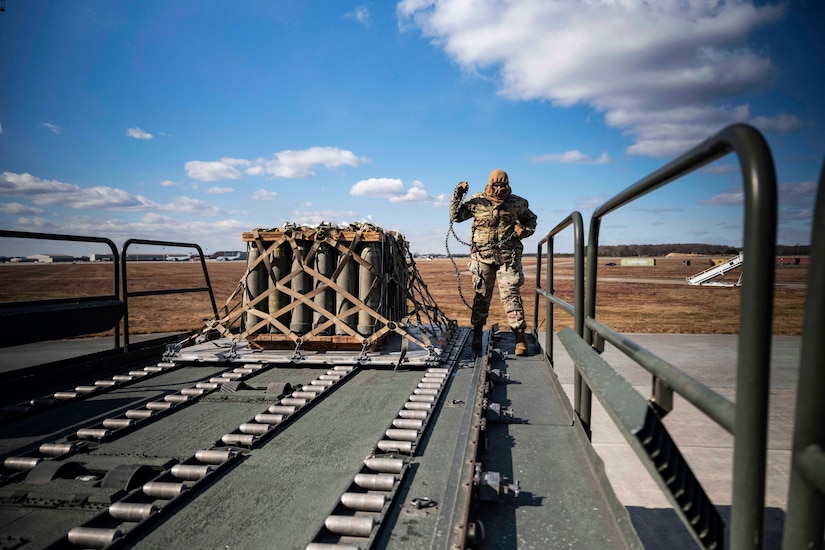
{"x":628,"y":250}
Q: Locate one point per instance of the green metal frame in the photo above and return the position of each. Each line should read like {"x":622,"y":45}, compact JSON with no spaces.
{"x":805,"y":520}
{"x":639,"y":419}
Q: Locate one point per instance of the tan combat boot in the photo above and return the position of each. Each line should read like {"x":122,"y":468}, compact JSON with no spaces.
{"x":478,"y":333}
{"x":521,"y":343}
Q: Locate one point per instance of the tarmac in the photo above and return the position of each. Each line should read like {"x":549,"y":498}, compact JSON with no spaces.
{"x":708,"y":448}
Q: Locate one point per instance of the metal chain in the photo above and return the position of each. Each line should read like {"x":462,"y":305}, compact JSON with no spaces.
{"x":449,"y":255}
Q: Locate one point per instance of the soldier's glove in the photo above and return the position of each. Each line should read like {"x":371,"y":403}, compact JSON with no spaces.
{"x":461,"y":190}
{"x":520,"y":232}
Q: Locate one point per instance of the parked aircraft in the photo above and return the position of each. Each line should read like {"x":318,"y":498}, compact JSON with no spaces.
{"x":179,"y":258}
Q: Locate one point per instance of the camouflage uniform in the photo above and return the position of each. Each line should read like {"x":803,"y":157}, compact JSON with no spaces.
{"x":499,"y":224}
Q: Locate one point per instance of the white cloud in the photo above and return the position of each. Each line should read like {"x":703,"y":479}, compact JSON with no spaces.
{"x":137,"y":133}
{"x":782,"y":123}
{"x":391,"y":189}
{"x":336,"y":217}
{"x":361,"y":14}
{"x":645,"y":65}
{"x":733,"y":198}
{"x":215,"y":190}
{"x":189,"y":205}
{"x":55,"y":193}
{"x":211,"y":171}
{"x":300,"y":164}
{"x":17,"y":209}
{"x":573,"y":157}
{"x":264,"y":195}
{"x":53,"y":127}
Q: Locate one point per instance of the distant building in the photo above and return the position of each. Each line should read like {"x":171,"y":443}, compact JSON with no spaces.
{"x":51,"y":258}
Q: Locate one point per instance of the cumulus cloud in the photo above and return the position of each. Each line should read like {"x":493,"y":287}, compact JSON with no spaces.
{"x":55,"y":193}
{"x":361,"y":15}
{"x":648,"y":66}
{"x":55,"y":129}
{"x":287,"y":164}
{"x":137,"y":133}
{"x":216,"y":190}
{"x":264,"y":195}
{"x":391,"y":189}
{"x":189,"y":205}
{"x":223,"y":169}
{"x":573,"y":157}
{"x":336,"y":217}
{"x":17,"y":209}
{"x":168,"y":183}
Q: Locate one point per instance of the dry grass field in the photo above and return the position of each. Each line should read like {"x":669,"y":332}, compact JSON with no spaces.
{"x":629,"y":299}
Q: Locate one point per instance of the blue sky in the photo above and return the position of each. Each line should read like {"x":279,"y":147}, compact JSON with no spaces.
{"x":197,"y":121}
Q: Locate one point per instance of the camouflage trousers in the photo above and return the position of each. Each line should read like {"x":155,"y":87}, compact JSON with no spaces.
{"x":509,"y":277}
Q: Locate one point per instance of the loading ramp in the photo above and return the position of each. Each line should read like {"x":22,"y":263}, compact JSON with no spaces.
{"x":706,"y":277}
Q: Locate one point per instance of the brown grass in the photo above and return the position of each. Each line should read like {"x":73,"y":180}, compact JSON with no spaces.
{"x":629,"y":299}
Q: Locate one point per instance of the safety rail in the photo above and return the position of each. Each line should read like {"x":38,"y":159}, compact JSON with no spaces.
{"x":639,"y":419}
{"x":805,"y":520}
{"x":25,"y":322}
{"x":158,"y":292}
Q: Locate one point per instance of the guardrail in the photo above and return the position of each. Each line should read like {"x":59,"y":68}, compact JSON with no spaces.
{"x":157,"y":292}
{"x":25,"y":322}
{"x":639,"y":419}
{"x":805,"y":519}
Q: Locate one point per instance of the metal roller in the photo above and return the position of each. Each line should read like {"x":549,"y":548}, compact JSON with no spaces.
{"x":376,"y":482}
{"x":244,"y":370}
{"x":153,"y":368}
{"x":329,"y":546}
{"x":408,"y":423}
{"x":87,"y":389}
{"x":291,"y":401}
{"x":239,"y":439}
{"x":315,"y":388}
{"x":402,"y":435}
{"x":442,"y":370}
{"x":122,"y":378}
{"x":63,"y":395}
{"x":353,"y":526}
{"x":301,"y":321}
{"x":137,"y":373}
{"x":165,"y":490}
{"x":193,"y":391}
{"x":422,"y":398}
{"x":393,"y":446}
{"x":105,"y":383}
{"x":430,"y":376}
{"x":132,"y":511}
{"x":166,"y":365}
{"x":364,"y":502}
{"x":325,"y":265}
{"x":280,"y":260}
{"x":325,"y":383}
{"x":385,"y":465}
{"x":254,"y":428}
{"x":158,"y":405}
{"x":93,"y":433}
{"x":117,"y":423}
{"x":21,"y":463}
{"x":341,"y":368}
{"x":421,"y":415}
{"x":176,"y":398}
{"x":282,"y":409}
{"x":425,"y":391}
{"x":415,"y":406}
{"x":429,"y":385}
{"x":232,"y":375}
{"x":191,"y":472}
{"x":207,"y":385}
{"x":308,"y":395}
{"x":214,"y":456}
{"x":272,"y":419}
{"x":218,"y":380}
{"x":57,"y":449}
{"x":93,"y":537}
{"x":331,"y":376}
{"x":138,"y":414}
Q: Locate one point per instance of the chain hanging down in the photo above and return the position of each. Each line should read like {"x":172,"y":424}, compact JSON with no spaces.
{"x":449,"y":255}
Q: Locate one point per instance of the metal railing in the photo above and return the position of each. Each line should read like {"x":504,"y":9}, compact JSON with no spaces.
{"x":157,"y":292}
{"x":805,"y":519}
{"x":640,"y":420}
{"x":87,"y":301}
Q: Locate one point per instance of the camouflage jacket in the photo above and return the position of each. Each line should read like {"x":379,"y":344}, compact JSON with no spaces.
{"x":493,"y":239}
